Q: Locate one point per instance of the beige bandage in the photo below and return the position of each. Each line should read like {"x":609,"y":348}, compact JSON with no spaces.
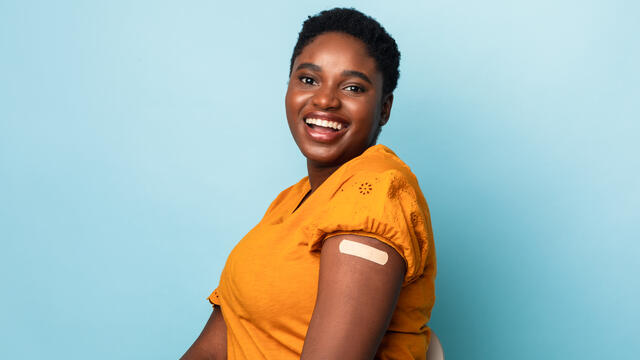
{"x":363,"y":251}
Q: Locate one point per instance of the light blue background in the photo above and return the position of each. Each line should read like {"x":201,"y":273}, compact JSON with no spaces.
{"x":140,"y":140}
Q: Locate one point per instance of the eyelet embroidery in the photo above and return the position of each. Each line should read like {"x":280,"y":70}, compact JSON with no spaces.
{"x":416,"y":220}
{"x":365,"y":188}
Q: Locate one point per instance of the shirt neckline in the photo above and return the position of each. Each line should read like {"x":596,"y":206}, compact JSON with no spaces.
{"x":306,"y":186}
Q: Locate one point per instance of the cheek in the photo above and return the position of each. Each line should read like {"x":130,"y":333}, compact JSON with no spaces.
{"x":364,"y":110}
{"x":293,"y":101}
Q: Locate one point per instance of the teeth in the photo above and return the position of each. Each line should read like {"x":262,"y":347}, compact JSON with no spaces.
{"x":324,"y":123}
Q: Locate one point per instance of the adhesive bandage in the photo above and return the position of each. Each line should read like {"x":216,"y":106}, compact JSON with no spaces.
{"x":363,"y":251}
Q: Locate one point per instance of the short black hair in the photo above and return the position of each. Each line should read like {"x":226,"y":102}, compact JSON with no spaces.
{"x":380,"y":45}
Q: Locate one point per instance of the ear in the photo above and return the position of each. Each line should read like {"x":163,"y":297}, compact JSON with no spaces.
{"x":385,"y":109}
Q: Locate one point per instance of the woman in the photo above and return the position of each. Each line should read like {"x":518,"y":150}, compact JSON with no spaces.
{"x":342,"y":265}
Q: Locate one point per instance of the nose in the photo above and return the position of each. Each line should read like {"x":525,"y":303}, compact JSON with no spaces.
{"x":326,"y":98}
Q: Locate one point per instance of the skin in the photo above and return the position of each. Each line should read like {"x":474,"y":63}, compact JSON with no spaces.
{"x":330,"y":86}
{"x":212,"y":342}
{"x":356,"y":297}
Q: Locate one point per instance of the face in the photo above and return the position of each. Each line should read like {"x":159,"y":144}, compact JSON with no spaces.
{"x":334,"y":101}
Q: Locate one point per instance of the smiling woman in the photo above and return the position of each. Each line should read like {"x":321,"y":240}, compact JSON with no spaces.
{"x":335,"y":83}
{"x":342,"y":265}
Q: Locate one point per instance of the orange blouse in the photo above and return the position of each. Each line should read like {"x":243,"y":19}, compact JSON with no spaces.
{"x":268,"y":287}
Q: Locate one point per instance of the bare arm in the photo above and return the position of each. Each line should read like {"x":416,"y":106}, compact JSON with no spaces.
{"x":212,"y":342}
{"x":356,"y":298}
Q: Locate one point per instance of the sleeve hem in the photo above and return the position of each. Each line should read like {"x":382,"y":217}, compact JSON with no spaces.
{"x":214,"y":298}
{"x":408,"y":277}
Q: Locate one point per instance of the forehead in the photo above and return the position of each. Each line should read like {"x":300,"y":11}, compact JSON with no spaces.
{"x":336,"y":52}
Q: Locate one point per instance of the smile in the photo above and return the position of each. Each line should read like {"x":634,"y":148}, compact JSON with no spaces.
{"x":323,"y":130}
{"x":324,"y":123}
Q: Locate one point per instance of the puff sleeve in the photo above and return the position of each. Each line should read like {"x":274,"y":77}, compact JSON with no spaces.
{"x":387,"y":206}
{"x":214,"y":298}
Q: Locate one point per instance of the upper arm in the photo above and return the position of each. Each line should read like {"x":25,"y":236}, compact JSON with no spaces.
{"x":212,"y":342}
{"x":356,"y":298}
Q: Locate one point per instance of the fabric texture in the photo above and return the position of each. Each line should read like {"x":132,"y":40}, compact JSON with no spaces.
{"x":268,"y":287}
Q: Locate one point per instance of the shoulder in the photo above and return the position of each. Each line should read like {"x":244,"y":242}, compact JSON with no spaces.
{"x":383,"y":166}
{"x":377,"y":195}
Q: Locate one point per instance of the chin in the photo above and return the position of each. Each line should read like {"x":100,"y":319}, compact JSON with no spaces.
{"x":327,"y":155}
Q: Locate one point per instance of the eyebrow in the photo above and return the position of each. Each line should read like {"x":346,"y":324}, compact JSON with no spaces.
{"x":314,"y":67}
{"x":357,"y":74}
{"x":309,"y":66}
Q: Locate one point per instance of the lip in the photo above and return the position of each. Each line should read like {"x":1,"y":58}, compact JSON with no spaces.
{"x":325,"y":137}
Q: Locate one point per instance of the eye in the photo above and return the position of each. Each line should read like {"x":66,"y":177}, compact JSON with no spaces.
{"x":307,"y":80}
{"x":354,"y":88}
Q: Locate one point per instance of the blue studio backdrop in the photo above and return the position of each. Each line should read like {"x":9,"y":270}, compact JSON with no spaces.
{"x":140,"y":140}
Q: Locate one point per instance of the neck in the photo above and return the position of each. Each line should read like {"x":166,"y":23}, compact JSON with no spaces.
{"x":318,"y":174}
